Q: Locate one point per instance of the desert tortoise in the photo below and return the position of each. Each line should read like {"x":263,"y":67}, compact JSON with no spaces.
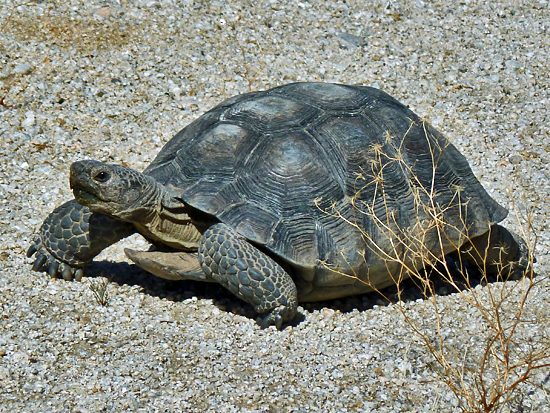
{"x":307,"y":191}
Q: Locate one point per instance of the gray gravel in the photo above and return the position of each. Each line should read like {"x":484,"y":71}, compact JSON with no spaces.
{"x":114,"y":81}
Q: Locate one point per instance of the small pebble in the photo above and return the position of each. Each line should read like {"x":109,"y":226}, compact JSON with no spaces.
{"x":350,"y":41}
{"x":22,"y":69}
{"x":29,"y":120}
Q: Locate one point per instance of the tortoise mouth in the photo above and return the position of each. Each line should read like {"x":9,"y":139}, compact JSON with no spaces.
{"x":81,"y":190}
{"x":83,"y":196}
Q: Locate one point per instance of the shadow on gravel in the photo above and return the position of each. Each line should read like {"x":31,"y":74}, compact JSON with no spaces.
{"x":123,"y":273}
{"x":130,"y":274}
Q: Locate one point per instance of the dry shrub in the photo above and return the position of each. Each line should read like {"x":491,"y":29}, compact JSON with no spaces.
{"x":486,"y":373}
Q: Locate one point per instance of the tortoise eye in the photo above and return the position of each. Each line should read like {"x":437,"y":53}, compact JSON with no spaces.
{"x":102,"y":176}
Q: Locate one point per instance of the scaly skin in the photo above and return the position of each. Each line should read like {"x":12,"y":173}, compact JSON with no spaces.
{"x":249,"y":274}
{"x":71,"y":236}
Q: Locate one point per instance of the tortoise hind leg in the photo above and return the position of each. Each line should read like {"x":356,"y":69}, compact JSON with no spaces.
{"x":248,"y":273}
{"x":499,"y":252}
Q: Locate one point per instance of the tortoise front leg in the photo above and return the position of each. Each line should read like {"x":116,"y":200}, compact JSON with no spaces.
{"x":71,"y":236}
{"x":248,"y":273}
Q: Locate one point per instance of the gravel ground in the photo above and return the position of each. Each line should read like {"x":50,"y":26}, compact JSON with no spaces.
{"x":115,"y":80}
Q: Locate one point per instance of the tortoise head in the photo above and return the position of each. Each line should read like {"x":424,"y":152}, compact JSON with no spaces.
{"x":156,"y":210}
{"x":114,"y":190}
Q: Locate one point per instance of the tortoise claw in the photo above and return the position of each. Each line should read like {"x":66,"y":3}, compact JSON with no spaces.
{"x":39,"y":262}
{"x":52,"y":268}
{"x":66,"y":272}
{"x":278,"y":322}
{"x":78,"y":274}
{"x":275,"y":318}
{"x":32,"y":249}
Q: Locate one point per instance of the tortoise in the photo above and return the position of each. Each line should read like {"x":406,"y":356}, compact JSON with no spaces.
{"x":304,"y":192}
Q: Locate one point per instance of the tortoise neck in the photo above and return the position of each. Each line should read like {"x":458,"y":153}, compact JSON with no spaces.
{"x":146,"y":205}
{"x":164,"y":217}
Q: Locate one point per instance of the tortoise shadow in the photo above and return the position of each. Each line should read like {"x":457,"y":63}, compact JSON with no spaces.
{"x":123,"y":273}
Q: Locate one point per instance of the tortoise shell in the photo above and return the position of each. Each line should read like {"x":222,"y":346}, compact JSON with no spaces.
{"x":328,"y":179}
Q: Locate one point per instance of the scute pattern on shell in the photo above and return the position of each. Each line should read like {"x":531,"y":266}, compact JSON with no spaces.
{"x":279,"y":165}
